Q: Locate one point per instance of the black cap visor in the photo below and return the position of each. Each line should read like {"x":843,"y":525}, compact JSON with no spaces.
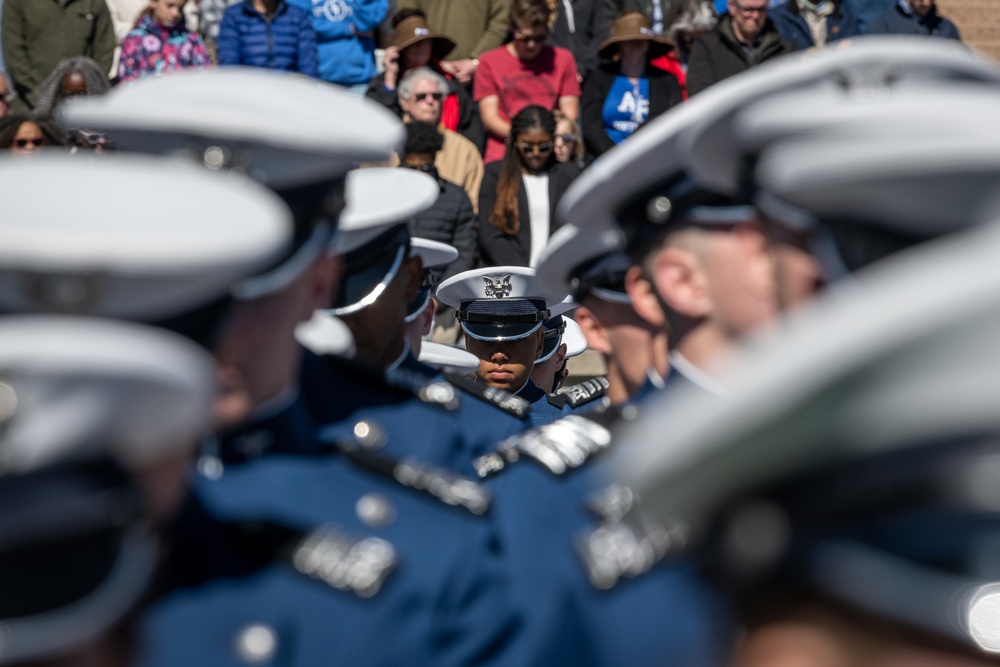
{"x":369,"y":270}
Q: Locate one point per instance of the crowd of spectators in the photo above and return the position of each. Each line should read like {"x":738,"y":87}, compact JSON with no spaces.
{"x":521,"y":94}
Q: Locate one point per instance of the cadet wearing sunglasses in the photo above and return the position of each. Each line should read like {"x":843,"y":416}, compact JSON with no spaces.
{"x":519,"y":194}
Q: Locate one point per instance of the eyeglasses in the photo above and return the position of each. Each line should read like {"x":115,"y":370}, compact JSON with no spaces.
{"x":420,"y":97}
{"x":566,"y":138}
{"x":749,"y":10}
{"x":23,"y":143}
{"x":544,"y":148}
{"x":536,"y":37}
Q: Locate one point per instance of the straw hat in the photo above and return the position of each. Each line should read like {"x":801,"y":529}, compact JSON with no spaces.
{"x":414,"y":29}
{"x":629,"y":27}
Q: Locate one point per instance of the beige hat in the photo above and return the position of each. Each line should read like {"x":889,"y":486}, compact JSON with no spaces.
{"x":632,"y":26}
{"x":414,"y":29}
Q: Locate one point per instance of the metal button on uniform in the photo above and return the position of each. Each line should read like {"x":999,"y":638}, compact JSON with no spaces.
{"x":369,"y":435}
{"x":375,"y":510}
{"x":256,"y":644}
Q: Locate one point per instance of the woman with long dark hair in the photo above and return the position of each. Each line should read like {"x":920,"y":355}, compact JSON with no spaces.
{"x":519,"y":194}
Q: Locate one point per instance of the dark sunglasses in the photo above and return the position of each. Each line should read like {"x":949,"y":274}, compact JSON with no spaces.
{"x":23,"y":143}
{"x":536,"y":37}
{"x":420,"y":97}
{"x":544,"y":148}
{"x":566,"y":138}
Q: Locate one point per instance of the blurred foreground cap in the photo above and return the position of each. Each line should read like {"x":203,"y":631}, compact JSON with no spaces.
{"x":858,"y":451}
{"x":172,"y":240}
{"x":374,"y":232}
{"x":296,"y":135}
{"x":325,"y":334}
{"x":448,"y":358}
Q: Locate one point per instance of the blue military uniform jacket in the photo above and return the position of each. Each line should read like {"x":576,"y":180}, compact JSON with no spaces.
{"x":582,"y":551}
{"x":450,"y":431}
{"x":374,"y":574}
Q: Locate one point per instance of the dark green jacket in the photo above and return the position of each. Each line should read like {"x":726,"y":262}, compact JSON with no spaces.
{"x":38,"y":34}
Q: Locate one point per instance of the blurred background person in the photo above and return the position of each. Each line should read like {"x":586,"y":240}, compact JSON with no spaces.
{"x":345,"y":39}
{"x":478,"y":27}
{"x":916,"y":17}
{"x":689,"y":20}
{"x":27,"y":134}
{"x":451,"y":219}
{"x":79,"y":75}
{"x":524,"y":72}
{"x":622,"y":96}
{"x":743,"y":38}
{"x":160,"y":42}
{"x":518,"y":199}
{"x":37,"y":36}
{"x":416,"y":45}
{"x":421,"y":97}
{"x":124,"y":14}
{"x":568,"y":143}
{"x":579,"y":26}
{"x":268,"y":33}
{"x":6,"y":94}
{"x":804,"y":23}
{"x":655,"y":11}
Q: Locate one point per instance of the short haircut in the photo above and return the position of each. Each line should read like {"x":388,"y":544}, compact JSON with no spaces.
{"x":531,"y":12}
{"x":411,"y":78}
{"x":422,"y":138}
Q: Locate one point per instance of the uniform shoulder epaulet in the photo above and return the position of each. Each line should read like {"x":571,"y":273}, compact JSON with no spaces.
{"x":330,"y":554}
{"x":626,"y":542}
{"x":559,"y":446}
{"x":578,"y":395}
{"x":504,"y":400}
{"x":404,"y":380}
{"x":361,"y":448}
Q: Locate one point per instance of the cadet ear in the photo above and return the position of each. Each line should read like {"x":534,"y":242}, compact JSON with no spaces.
{"x":679,"y":280}
{"x":593,"y":330}
{"x":644,"y":299}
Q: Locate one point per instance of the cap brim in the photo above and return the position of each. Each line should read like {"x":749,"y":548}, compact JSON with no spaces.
{"x":363,"y":287}
{"x":500,"y":331}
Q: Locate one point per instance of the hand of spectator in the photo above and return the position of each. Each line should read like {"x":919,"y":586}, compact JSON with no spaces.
{"x":391,"y":63}
{"x":463,"y":70}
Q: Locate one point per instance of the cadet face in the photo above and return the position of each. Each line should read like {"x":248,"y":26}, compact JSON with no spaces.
{"x":167,"y":12}
{"x":417,"y":55}
{"x":507,"y":364}
{"x":797,"y":272}
{"x":625,"y":339}
{"x":378,"y":328}
{"x":257,"y":353}
{"x":544,"y":372}
{"x":28,"y":140}
{"x":749,"y":17}
{"x":425,"y":103}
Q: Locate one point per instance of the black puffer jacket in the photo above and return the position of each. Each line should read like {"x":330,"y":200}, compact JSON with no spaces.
{"x":450,"y":220}
{"x":718,"y":55}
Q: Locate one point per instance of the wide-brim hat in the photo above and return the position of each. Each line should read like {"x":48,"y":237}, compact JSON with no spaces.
{"x":630,"y":27}
{"x":414,"y":29}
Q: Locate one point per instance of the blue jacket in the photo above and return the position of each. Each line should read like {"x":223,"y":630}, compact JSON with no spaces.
{"x":345,"y":37}
{"x":285,"y":41}
{"x":792,"y":25}
{"x":898,"y":22}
